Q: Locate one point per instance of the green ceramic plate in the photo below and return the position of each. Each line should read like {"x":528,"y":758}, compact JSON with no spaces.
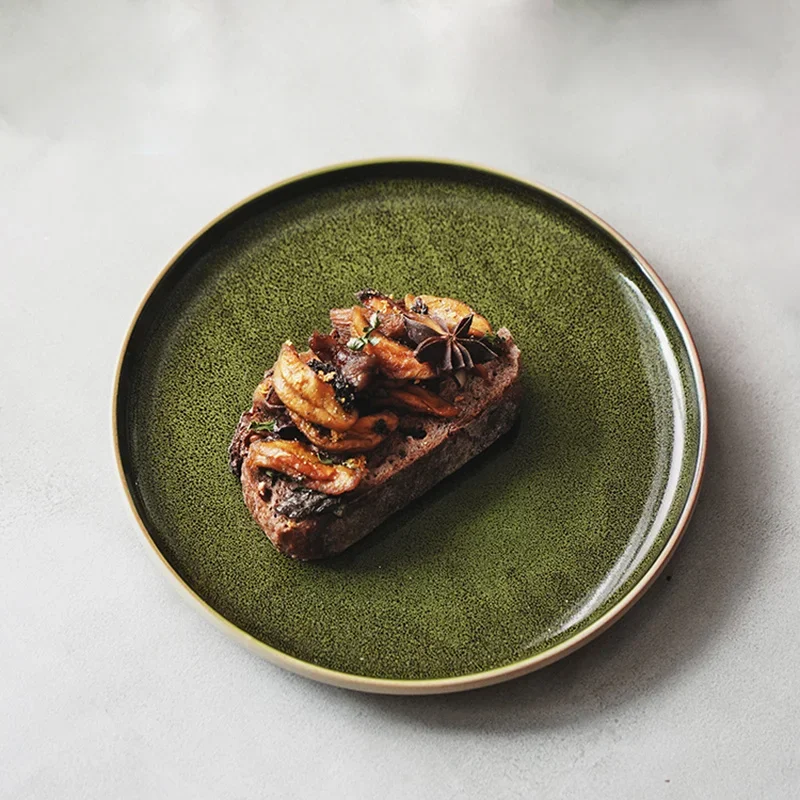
{"x":523,"y":555}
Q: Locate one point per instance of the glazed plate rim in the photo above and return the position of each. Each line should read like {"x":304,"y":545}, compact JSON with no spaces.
{"x":460,"y":682}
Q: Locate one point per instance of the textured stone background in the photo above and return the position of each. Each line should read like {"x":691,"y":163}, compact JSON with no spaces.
{"x":125,"y":127}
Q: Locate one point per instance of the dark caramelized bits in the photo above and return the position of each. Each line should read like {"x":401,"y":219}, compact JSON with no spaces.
{"x":343,"y":390}
{"x":418,"y":306}
{"x":302,"y":503}
{"x":381,"y":427}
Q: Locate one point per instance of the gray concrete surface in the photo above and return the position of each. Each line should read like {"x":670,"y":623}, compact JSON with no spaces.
{"x":126,"y":126}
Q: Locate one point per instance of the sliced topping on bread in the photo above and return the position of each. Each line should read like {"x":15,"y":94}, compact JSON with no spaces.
{"x":396,"y":396}
{"x":299,"y":461}
{"x":311,"y":393}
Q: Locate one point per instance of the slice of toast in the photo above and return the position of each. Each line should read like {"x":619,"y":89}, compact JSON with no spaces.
{"x":422,"y":451}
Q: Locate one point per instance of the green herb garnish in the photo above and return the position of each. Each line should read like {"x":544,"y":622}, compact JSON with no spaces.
{"x":325,"y":459}
{"x":360,"y":342}
{"x":266,"y":425}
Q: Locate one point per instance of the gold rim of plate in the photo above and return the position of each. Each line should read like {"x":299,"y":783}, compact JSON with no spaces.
{"x":499,"y":674}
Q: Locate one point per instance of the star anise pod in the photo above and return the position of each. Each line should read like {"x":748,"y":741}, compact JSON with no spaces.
{"x":448,"y":349}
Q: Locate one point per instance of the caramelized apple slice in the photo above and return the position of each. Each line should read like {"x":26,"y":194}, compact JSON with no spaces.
{"x":364,"y":436}
{"x":304,"y":391}
{"x":298,"y":461}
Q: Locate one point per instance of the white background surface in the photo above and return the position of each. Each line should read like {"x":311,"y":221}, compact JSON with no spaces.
{"x":125,"y":127}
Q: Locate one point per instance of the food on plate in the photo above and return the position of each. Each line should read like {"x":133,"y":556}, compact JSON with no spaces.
{"x":398,"y":395}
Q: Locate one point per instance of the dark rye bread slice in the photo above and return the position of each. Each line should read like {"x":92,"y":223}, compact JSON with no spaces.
{"x":402,"y":469}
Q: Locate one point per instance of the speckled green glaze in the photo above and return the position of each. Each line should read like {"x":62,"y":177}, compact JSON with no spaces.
{"x":520,"y":550}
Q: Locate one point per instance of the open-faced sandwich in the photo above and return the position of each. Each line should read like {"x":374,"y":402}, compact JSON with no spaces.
{"x":397,"y":396}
